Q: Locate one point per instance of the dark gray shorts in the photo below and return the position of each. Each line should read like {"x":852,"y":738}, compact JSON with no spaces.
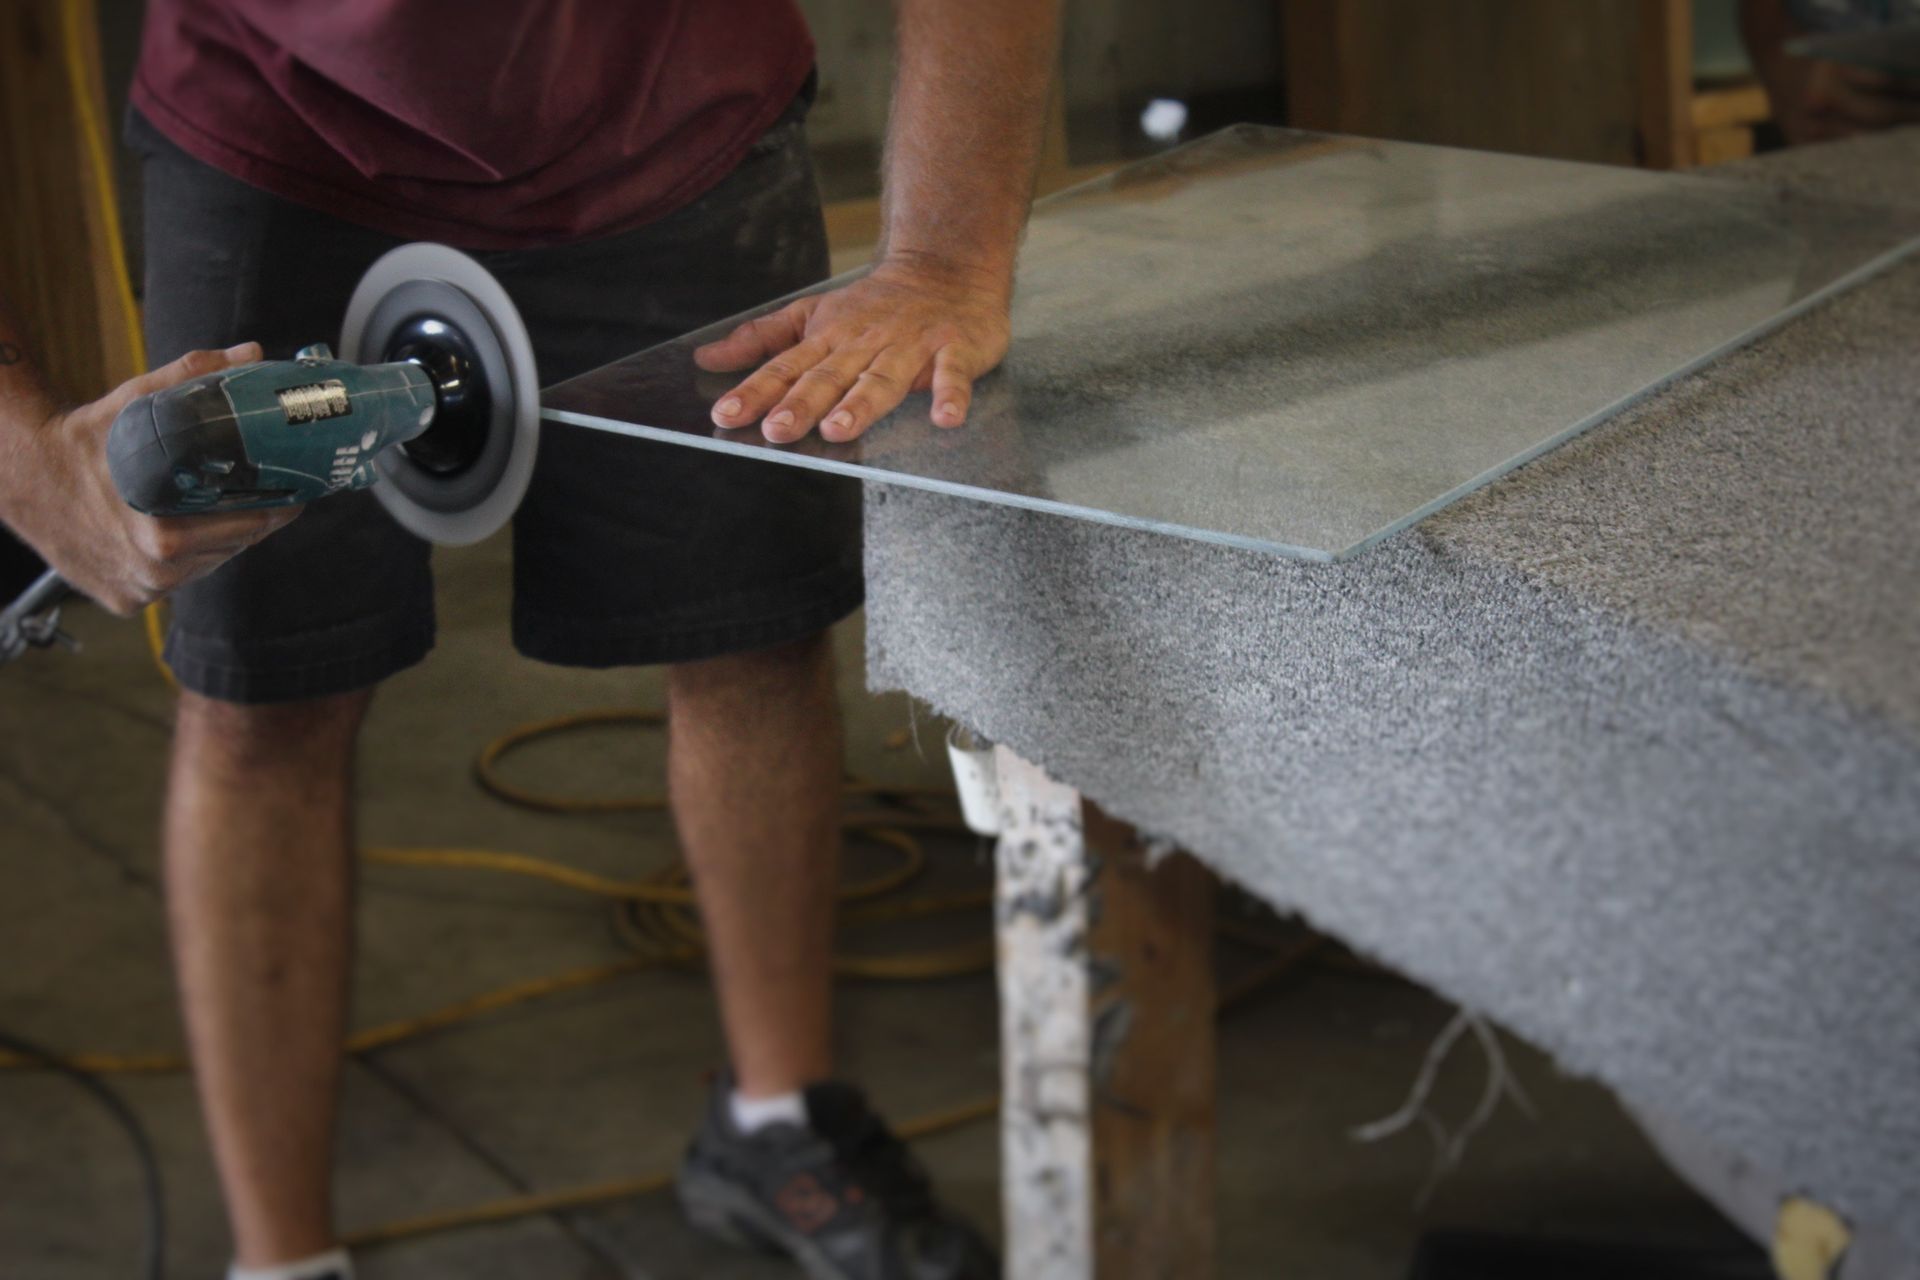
{"x":625,"y":551}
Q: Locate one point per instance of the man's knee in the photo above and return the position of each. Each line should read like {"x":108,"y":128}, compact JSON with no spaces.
{"x":318,"y":732}
{"x":785,"y":667}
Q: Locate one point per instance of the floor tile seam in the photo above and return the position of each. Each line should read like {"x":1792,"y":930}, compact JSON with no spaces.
{"x":406,"y":1093}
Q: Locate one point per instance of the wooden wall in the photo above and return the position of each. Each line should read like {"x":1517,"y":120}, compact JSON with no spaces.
{"x":1542,"y":77}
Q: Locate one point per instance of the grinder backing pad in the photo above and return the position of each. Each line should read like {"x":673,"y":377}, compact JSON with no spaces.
{"x":464,"y":477}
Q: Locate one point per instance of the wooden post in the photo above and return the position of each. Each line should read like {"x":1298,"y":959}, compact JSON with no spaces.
{"x":1107,"y":998}
{"x":1666,"y":83}
{"x":1153,"y":1057}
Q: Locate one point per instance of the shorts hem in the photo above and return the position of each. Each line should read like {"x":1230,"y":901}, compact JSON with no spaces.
{"x":604,"y":642}
{"x":280,"y":682}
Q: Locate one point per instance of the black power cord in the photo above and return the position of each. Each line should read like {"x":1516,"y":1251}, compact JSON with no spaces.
{"x":154,"y":1266}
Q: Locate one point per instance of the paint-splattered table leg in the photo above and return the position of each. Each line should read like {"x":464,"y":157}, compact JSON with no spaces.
{"x":1106,"y":1025}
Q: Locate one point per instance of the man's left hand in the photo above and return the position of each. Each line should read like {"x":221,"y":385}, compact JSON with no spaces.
{"x":844,"y":359}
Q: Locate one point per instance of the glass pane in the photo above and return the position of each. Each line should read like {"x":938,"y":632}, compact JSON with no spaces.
{"x":1302,"y":343}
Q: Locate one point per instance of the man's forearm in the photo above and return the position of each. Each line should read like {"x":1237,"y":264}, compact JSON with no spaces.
{"x":25,"y":406}
{"x":57,"y":495}
{"x":969,"y":108}
{"x":969,"y":105}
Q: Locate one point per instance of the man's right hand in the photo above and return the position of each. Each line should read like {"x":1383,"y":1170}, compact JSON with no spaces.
{"x":55,"y":493}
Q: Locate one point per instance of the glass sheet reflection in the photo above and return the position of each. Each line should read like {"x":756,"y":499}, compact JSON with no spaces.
{"x":1302,"y":343}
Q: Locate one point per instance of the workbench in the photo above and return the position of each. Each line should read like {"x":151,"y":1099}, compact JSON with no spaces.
{"x":1620,"y":749}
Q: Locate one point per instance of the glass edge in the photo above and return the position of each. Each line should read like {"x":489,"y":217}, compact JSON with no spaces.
{"x":1866,"y":271}
{"x":908,"y":480}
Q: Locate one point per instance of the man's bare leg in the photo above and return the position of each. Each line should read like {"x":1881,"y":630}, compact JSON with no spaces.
{"x":259,"y":887}
{"x":754,"y":768}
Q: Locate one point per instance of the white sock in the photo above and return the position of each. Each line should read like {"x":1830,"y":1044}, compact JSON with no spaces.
{"x":321,"y":1266}
{"x":750,"y":1115}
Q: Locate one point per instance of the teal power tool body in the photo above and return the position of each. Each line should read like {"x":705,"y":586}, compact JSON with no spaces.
{"x":266,"y":435}
{"x":433,"y":404}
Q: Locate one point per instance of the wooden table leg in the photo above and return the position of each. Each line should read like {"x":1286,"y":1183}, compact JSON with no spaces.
{"x":1106,"y":996}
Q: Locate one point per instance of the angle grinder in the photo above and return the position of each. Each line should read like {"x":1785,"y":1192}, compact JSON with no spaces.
{"x":433,"y":403}
{"x":433,"y":396}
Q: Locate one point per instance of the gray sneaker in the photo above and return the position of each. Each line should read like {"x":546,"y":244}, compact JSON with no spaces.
{"x":842,"y":1196}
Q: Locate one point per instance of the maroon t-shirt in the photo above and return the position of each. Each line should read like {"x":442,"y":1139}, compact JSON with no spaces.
{"x":487,"y":124}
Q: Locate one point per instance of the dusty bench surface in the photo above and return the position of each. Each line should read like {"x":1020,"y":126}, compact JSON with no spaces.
{"x":1623,"y":750}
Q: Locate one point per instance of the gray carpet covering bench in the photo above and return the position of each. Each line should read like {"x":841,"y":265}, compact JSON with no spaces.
{"x":1622,"y":751}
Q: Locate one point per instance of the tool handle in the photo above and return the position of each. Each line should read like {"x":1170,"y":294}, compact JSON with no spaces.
{"x":162,"y":437}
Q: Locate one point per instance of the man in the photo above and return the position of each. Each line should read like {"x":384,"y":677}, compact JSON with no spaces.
{"x":628,"y":172}
{"x":1819,"y":101}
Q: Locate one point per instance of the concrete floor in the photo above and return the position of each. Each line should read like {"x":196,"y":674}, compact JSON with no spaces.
{"x":606,"y":1083}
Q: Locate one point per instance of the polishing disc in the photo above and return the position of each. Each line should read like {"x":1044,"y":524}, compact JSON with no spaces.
{"x":431,"y":289}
